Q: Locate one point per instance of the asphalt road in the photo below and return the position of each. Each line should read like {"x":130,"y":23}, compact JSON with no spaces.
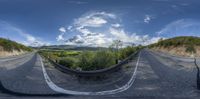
{"x":147,"y":76}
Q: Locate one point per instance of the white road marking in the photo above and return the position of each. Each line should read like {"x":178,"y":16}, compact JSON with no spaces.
{"x":107,"y":92}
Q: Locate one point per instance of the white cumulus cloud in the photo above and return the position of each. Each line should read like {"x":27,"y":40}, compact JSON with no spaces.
{"x":62,"y":29}
{"x":60,"y":37}
{"x":147,"y":18}
{"x":100,"y":28}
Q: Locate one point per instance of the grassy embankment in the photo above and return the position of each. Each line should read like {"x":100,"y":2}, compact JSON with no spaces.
{"x":8,"y":47}
{"x":182,"y":46}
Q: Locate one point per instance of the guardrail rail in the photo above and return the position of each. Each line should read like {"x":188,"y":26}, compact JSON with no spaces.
{"x":94,"y":72}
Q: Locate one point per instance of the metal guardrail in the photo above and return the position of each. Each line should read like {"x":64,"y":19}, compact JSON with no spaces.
{"x":94,"y":72}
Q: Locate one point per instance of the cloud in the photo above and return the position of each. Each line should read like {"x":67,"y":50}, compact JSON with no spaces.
{"x":77,"y":39}
{"x":181,"y":27}
{"x":90,"y":20}
{"x":134,"y":38}
{"x":116,"y":25}
{"x":30,"y":40}
{"x":77,"y":2}
{"x":69,"y":28}
{"x":19,"y":35}
{"x":99,"y":29}
{"x":62,"y":29}
{"x":119,"y":34}
{"x":60,"y":37}
{"x":147,"y":18}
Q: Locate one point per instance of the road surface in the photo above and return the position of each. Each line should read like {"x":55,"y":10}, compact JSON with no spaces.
{"x":149,"y":75}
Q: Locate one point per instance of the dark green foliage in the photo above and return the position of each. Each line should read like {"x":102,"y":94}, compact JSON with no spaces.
{"x":103,"y":59}
{"x":9,"y":45}
{"x":96,"y":60}
{"x":85,"y":60}
{"x":125,"y":52}
{"x":190,"y":49}
{"x":68,"y":62}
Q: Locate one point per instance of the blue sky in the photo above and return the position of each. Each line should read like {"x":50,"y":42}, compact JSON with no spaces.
{"x":97,"y":22}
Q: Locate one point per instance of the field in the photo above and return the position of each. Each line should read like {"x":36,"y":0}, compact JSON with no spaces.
{"x":89,"y":60}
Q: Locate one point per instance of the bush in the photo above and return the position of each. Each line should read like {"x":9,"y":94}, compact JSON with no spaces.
{"x":96,"y":60}
{"x":103,"y":59}
{"x":68,"y":62}
{"x":190,"y":49}
{"x":125,"y":52}
{"x":85,"y":60}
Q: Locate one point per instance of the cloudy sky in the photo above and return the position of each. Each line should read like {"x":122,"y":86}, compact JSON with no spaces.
{"x":97,"y":22}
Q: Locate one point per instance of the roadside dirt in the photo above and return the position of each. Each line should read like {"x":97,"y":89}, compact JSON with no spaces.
{"x":11,"y":53}
{"x":179,"y":51}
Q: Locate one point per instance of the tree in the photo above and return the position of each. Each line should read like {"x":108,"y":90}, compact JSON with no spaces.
{"x":116,"y":45}
{"x":161,"y":39}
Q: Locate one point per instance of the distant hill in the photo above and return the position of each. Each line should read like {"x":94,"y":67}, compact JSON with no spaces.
{"x":183,"y":45}
{"x":8,"y":47}
{"x":71,"y":47}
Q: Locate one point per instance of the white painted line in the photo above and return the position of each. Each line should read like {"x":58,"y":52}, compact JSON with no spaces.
{"x":107,"y":92}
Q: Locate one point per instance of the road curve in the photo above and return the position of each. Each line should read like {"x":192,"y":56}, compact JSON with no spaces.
{"x":29,"y":74}
{"x":24,"y":75}
{"x":105,"y":92}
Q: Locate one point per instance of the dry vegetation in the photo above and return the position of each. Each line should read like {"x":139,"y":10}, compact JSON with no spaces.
{"x":182,"y":46}
{"x":10,"y":48}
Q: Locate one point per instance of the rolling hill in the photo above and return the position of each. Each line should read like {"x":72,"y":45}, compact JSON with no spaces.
{"x":9,"y":48}
{"x":71,"y":47}
{"x":182,"y":46}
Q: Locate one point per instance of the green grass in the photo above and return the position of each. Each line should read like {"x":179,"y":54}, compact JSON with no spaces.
{"x":9,"y":45}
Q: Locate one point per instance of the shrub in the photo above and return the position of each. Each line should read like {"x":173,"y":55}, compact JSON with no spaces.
{"x":103,"y":59}
{"x":85,"y":60}
{"x":125,"y":52}
{"x":190,"y":49}
{"x":68,"y":62}
{"x":96,"y":60}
